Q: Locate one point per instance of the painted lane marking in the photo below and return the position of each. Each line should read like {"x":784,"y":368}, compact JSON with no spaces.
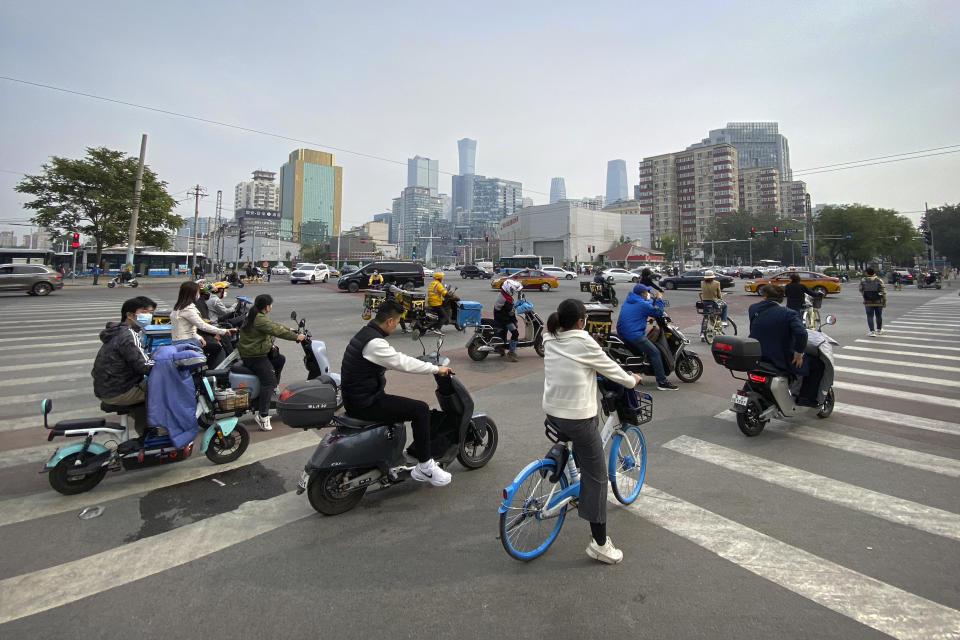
{"x":91,"y":332}
{"x":924,"y":380}
{"x":41,"y":345}
{"x":48,"y":503}
{"x":900,"y":419}
{"x":907,"y":334}
{"x":20,"y":382}
{"x":34,"y":419}
{"x":913,"y":331}
{"x":894,"y":393}
{"x":45,"y":365}
{"x":39,"y":591}
{"x":908,"y":344}
{"x":895,"y":455}
{"x":899,"y":363}
{"x":900,"y":353}
{"x":890,"y":508}
{"x":869,"y":601}
{"x":940,"y":326}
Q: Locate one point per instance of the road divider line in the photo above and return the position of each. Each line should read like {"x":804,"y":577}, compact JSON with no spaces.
{"x":900,"y":353}
{"x":41,"y":505}
{"x":913,"y":331}
{"x":908,"y":344}
{"x":899,"y":363}
{"x":903,"y":333}
{"x":44,"y":365}
{"x":20,"y":382}
{"x":46,"y":589}
{"x":909,"y":396}
{"x":878,"y":605}
{"x":888,"y":453}
{"x":92,"y":332}
{"x":903,"y":377}
{"x":897,"y":510}
{"x":54,"y":394}
{"x":900,"y":419}
{"x":942,"y":326}
{"x":41,"y":345}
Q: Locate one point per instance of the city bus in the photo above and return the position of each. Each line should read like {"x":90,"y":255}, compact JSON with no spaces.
{"x":512,"y":264}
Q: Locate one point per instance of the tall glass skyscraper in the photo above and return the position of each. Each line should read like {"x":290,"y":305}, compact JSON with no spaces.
{"x":616,"y":181}
{"x":758,"y":144}
{"x":468,"y":156}
{"x":424,"y":172}
{"x":311,"y":191}
{"x":558,"y":190}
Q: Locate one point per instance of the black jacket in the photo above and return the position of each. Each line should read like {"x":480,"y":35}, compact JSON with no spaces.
{"x":121,"y":363}
{"x":794,"y":292}
{"x":780,"y":332}
{"x":504,"y":315}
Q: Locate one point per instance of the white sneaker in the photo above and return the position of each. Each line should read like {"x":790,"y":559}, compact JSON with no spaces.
{"x":430,"y":472}
{"x":263,"y":422}
{"x":726,"y":324}
{"x":879,"y":332}
{"x":607,"y":553}
{"x":872,"y":334}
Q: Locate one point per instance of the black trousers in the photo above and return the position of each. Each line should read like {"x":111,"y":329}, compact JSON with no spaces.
{"x":267,"y":369}
{"x":588,"y":453}
{"x":443,"y":317}
{"x":399,"y":409}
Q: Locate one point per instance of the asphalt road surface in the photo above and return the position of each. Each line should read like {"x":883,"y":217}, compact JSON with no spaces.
{"x":839,"y":528}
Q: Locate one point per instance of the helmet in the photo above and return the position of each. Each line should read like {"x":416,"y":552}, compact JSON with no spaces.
{"x":220,"y":285}
{"x":512,"y":287}
{"x":438,"y":275}
{"x":206,"y":289}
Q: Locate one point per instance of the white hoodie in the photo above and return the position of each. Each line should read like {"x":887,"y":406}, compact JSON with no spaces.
{"x":572,"y":361}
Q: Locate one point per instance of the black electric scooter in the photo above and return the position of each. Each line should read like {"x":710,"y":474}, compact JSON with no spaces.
{"x":359,"y":454}
{"x":604,"y":293}
{"x":674,"y":352}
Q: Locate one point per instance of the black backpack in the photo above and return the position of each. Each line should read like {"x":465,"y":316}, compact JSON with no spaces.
{"x":871,"y":289}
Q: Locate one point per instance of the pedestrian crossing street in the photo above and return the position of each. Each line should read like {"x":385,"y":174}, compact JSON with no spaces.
{"x":895,"y":429}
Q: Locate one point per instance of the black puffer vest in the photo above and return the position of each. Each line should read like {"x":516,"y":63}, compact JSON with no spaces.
{"x":362,"y":382}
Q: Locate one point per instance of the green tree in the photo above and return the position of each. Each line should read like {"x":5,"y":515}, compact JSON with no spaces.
{"x":856,"y":235}
{"x":94,"y":195}
{"x":945,"y":223}
{"x":736,"y":226}
{"x":668,"y":244}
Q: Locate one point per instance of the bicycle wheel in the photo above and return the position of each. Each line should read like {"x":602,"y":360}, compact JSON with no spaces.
{"x":732,"y":325}
{"x":628,"y":464}
{"x":525,"y":534}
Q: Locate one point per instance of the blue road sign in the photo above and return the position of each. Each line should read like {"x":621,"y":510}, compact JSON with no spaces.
{"x":791,"y":230}
{"x":804,"y":248}
{"x":849,"y":236}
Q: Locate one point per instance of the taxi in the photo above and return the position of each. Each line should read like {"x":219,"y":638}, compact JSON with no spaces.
{"x":530,"y":279}
{"x":821,"y":283}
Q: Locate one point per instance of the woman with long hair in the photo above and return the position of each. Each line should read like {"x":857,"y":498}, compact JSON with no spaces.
{"x":186,"y":321}
{"x":572,"y":360}
{"x":260,"y":356}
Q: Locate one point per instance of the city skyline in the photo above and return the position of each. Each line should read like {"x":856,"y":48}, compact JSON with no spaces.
{"x":851,"y":94}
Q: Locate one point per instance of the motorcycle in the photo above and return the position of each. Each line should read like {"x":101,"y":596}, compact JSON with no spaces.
{"x":768,"y":392}
{"x":671,"y":343}
{"x":425,"y":317}
{"x":359,"y":454}
{"x":488,"y":338}
{"x":234,"y":279}
{"x":80,"y":467}
{"x":601,"y":293}
{"x":931,"y":281}
{"x":125,"y":279}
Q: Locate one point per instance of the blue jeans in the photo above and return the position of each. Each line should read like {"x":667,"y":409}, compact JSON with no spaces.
{"x":653,"y":354}
{"x":874,"y":312}
{"x":514,"y":336}
{"x":709,"y":305}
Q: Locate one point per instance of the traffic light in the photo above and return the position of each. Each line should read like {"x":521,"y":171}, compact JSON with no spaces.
{"x":775,"y":232}
{"x":753,"y":232}
{"x":243,"y":234}
{"x":239,"y":254}
{"x":75,"y":242}
{"x":459,"y":238}
{"x":927,"y":238}
{"x":486,"y":237}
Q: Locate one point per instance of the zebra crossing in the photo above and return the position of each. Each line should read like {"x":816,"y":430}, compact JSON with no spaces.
{"x":882,"y":412}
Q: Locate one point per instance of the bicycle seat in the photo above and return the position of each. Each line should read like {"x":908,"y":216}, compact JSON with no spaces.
{"x":359,"y":424}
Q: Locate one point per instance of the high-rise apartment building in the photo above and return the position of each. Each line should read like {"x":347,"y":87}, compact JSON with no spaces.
{"x":760,"y":190}
{"x":261,"y":193}
{"x":424,"y":172}
{"x":558,"y":190}
{"x":616,"y":180}
{"x":467,"y":149}
{"x":495,"y":199}
{"x":311,"y":193}
{"x":414,"y":214}
{"x":686,"y":191}
{"x":796,"y":200}
{"x":759,"y":144}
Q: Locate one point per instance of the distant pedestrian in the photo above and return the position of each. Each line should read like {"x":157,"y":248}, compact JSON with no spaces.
{"x":269,"y":273}
{"x":874,"y":300}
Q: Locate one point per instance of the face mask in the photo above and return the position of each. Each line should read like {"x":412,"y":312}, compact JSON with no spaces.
{"x":144,"y":319}
{"x":197,"y":298}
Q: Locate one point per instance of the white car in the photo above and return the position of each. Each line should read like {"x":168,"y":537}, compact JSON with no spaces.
{"x":309,"y":272}
{"x":281,"y":270}
{"x":616,"y":274}
{"x":560,"y":273}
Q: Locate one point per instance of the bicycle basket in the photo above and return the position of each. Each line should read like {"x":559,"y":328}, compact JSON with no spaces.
{"x":631,"y":407}
{"x":816,"y":301}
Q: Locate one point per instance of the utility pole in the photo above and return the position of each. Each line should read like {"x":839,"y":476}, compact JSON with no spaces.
{"x":132,"y":235}
{"x":197,"y":192}
{"x":216,"y":232}
{"x":933,"y":256}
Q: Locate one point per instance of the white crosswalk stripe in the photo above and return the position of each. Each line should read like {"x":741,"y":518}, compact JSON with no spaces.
{"x":912,"y":396}
{"x":891,"y":352}
{"x":912,"y":345}
{"x":898,"y":363}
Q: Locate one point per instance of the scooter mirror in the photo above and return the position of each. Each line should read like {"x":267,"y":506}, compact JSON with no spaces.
{"x":293,"y":315}
{"x":666,"y":303}
{"x":830,"y":320}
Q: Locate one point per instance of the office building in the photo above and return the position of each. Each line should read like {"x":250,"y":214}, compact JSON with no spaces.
{"x":263,"y":222}
{"x":205,"y":226}
{"x":415,"y":214}
{"x":494,"y":199}
{"x":467,"y":150}
{"x":639,"y":227}
{"x":387,"y":218}
{"x":424,"y":172}
{"x":311,"y":191}
{"x":758,"y":144}
{"x":616,"y":180}
{"x":760,"y":190}
{"x":558,"y":190}
{"x":7,"y":240}
{"x":594,"y":204}
{"x":687,"y":190}
{"x":261,"y":193}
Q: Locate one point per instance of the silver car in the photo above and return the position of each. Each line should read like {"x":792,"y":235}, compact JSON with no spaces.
{"x":35,"y":279}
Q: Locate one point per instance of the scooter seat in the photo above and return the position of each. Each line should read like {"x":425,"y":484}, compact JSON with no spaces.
{"x":239,"y":369}
{"x":766,"y":367}
{"x":346,"y":421}
{"x":119,"y":409}
{"x":78,"y":423}
{"x":219,"y":373}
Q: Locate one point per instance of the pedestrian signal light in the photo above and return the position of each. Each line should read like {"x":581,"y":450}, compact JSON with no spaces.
{"x":775,"y":232}
{"x":239,"y":254}
{"x":240,"y":238}
{"x":75,"y":242}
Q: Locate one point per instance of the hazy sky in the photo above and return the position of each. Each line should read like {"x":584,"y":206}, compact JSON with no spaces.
{"x":547,"y":88}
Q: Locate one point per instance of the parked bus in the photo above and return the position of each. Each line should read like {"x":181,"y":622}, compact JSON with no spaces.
{"x":512,"y":264}
{"x":27,"y":256}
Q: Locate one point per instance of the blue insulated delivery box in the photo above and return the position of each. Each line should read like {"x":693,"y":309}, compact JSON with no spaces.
{"x":469,"y":313}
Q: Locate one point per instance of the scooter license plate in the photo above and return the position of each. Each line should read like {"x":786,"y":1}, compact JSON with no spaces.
{"x":739,"y":399}
{"x":304,"y":479}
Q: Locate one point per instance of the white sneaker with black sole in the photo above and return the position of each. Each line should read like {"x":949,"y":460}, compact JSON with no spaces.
{"x":430,"y":472}
{"x":667,"y":386}
{"x":607,"y":553}
{"x":264,"y":423}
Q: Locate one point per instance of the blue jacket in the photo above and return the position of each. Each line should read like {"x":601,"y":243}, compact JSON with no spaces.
{"x":780,"y":332}
{"x":632,"y":322}
{"x":171,"y":394}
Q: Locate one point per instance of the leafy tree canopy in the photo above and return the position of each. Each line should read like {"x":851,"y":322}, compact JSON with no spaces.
{"x":874,"y":233}
{"x":945,"y":223}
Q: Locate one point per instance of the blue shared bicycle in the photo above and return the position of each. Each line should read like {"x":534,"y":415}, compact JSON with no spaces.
{"x":535,"y":504}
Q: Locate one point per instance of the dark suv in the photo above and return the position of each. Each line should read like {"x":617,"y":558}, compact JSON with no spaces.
{"x":407,"y":275}
{"x":473,"y":271}
{"x":35,"y":279}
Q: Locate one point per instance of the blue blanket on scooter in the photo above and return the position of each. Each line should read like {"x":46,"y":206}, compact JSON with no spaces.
{"x":171,"y":393}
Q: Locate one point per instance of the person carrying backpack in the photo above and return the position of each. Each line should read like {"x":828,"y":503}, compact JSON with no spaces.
{"x":874,"y":300}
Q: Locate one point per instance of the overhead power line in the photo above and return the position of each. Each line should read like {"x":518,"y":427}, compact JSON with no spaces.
{"x":908,"y":153}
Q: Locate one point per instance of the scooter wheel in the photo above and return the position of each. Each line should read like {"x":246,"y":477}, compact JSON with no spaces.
{"x":224,"y":449}
{"x":749,"y":421}
{"x":827,"y":407}
{"x":111,"y":285}
{"x":538,"y":347}
{"x":325,"y":496}
{"x":68,"y":485}
{"x":134,"y":284}
{"x":474,"y":353}
{"x":689,"y":367}
{"x":479,"y":446}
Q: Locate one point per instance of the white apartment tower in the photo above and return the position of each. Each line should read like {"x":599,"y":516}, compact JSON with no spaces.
{"x":261,"y":193}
